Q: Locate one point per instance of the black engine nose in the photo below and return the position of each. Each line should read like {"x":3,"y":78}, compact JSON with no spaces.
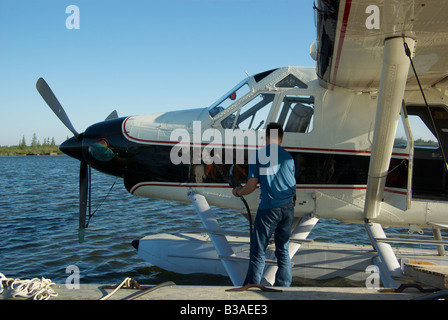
{"x":102,"y":146}
{"x":73,"y":148}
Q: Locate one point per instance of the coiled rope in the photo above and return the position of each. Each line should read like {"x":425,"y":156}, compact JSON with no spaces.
{"x":38,"y":289}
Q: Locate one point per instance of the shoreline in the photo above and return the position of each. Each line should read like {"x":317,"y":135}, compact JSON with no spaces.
{"x":32,"y":154}
{"x":12,"y":151}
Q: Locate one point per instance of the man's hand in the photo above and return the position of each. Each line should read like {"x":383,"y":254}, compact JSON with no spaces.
{"x":250,"y":186}
{"x":235,"y":191}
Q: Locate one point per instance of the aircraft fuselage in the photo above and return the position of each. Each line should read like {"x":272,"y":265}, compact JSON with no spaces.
{"x":328,"y":133}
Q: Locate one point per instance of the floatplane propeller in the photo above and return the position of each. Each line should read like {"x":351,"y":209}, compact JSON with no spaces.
{"x":72,"y":146}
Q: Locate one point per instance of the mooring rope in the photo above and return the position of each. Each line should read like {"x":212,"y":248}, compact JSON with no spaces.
{"x":126,"y":282}
{"x":38,"y":289}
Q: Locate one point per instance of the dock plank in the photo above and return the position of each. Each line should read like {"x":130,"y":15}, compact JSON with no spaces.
{"x":429,"y":274}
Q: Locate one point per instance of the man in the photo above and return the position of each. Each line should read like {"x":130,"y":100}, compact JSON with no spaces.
{"x":276,"y":209}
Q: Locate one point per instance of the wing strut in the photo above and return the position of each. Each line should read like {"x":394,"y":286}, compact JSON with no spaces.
{"x":392,"y":86}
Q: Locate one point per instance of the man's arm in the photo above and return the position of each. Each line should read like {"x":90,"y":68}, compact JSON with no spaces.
{"x":250,"y":186}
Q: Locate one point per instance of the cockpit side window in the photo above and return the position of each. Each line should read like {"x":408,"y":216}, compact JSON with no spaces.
{"x":253,"y":115}
{"x":297,"y":113}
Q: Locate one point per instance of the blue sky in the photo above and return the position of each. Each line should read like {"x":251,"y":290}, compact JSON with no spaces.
{"x":137,"y":56}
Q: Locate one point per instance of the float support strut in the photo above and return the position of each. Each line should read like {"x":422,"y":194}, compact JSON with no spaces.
{"x":389,"y":265}
{"x":234,"y":269}
{"x":300,"y":232}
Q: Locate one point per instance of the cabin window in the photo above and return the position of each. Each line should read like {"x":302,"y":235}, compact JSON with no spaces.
{"x":400,"y":137}
{"x":420,"y":132}
{"x":251,"y":116}
{"x":297,"y":113}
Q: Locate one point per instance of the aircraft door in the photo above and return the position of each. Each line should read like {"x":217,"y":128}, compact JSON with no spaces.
{"x":296,"y":115}
{"x":430,"y":151}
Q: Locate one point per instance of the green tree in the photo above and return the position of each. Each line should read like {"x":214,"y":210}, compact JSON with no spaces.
{"x":34,"y":141}
{"x":22,"y":143}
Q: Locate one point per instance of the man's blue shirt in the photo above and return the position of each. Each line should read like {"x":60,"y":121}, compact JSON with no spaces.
{"x":275,"y":171}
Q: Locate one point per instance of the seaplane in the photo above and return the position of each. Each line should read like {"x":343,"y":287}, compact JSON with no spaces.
{"x":379,"y":64}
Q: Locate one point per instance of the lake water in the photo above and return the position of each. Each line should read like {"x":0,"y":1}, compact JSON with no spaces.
{"x":39,"y":226}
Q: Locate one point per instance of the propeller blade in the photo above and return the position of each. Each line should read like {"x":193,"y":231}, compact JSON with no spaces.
{"x":113,"y":115}
{"x":54,"y":104}
{"x":83,"y":194}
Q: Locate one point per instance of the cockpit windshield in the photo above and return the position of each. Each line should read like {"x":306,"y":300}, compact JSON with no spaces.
{"x":230,"y":98}
{"x":237,"y":93}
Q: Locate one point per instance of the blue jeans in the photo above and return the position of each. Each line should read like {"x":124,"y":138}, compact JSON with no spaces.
{"x":277,"y":221}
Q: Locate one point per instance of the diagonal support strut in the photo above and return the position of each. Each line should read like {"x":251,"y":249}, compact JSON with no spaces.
{"x":234,"y":268}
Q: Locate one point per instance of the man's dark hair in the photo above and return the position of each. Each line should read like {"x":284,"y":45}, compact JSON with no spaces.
{"x":274,"y":126}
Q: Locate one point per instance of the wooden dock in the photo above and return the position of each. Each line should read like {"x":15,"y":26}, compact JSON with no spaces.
{"x":173,"y":292}
{"x":429,"y":274}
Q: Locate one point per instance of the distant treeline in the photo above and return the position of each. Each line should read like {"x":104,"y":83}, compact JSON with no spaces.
{"x":48,"y":146}
{"x":417,"y":142}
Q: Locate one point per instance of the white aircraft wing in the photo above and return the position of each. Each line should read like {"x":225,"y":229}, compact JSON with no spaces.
{"x":361,"y":46}
{"x":351,"y":36}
